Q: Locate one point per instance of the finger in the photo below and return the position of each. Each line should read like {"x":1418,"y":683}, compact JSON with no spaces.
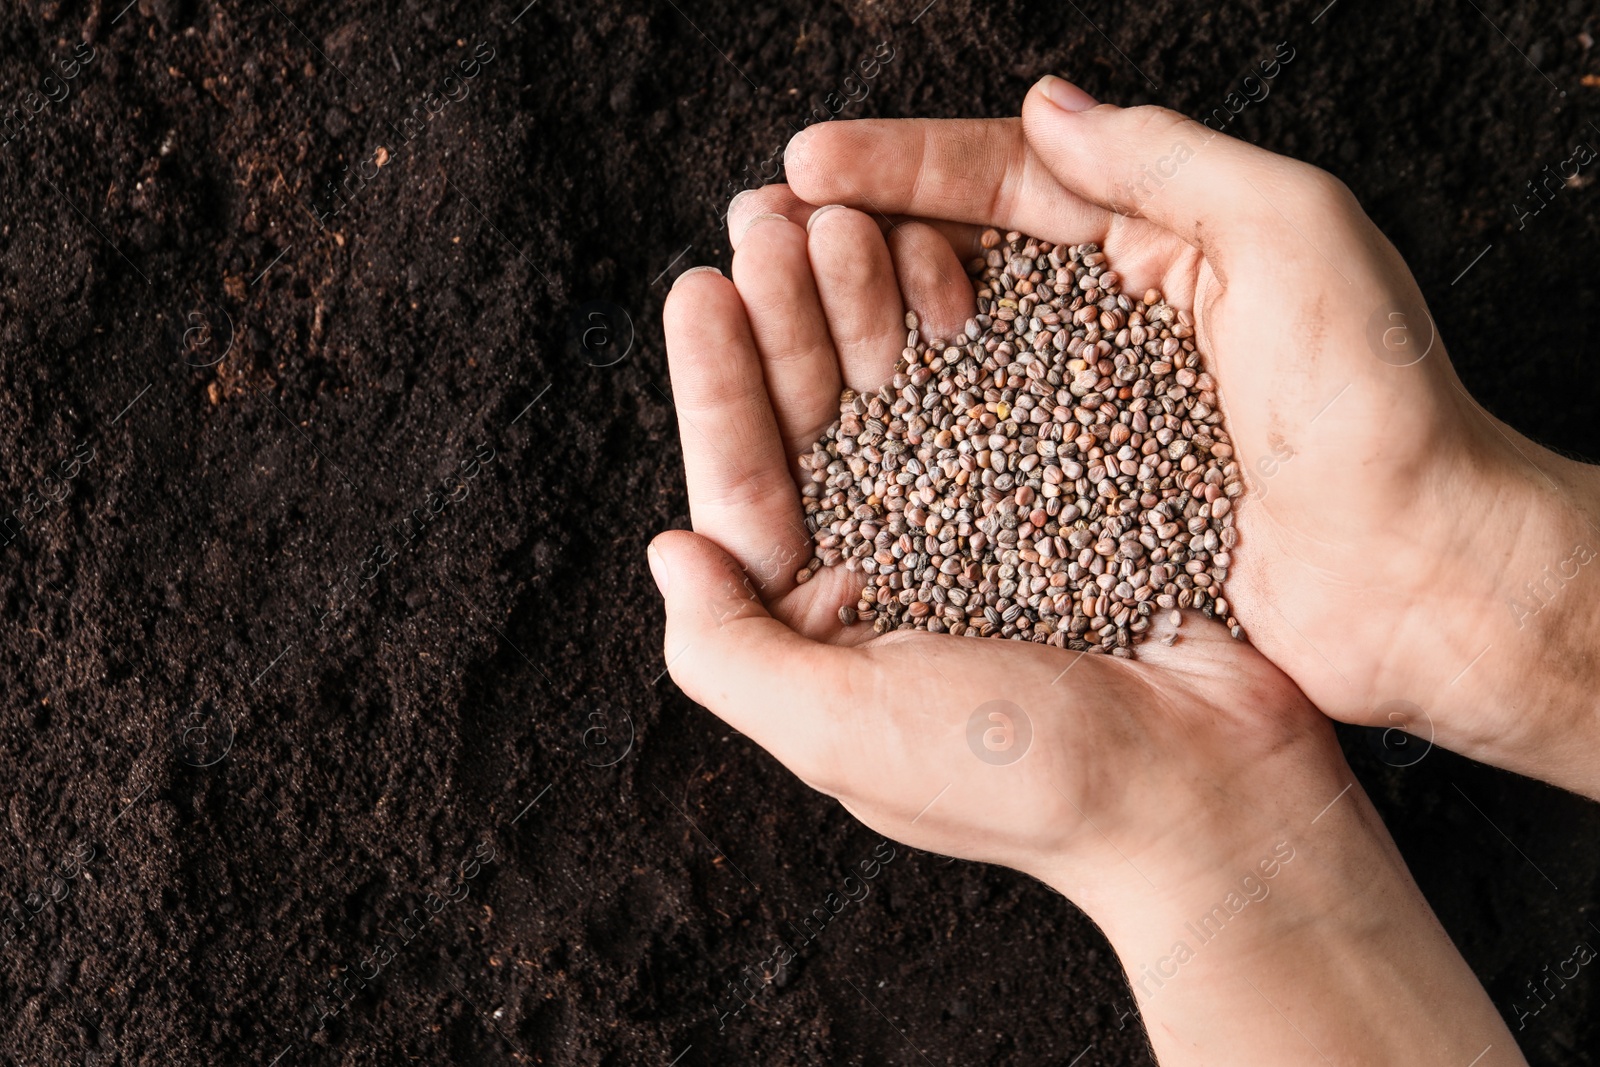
{"x":977,"y":172}
{"x":962,"y":237}
{"x":751,"y":204}
{"x":727,"y":654}
{"x":855,"y":280}
{"x":740,"y":491}
{"x":780,"y":199}
{"x":772,"y":271}
{"x":1149,"y":162}
{"x":933,"y":282}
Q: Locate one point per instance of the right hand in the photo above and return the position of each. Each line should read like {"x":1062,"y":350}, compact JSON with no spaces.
{"x":1391,"y":518}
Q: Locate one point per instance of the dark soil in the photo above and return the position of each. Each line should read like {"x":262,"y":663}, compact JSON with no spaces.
{"x":328,"y":589}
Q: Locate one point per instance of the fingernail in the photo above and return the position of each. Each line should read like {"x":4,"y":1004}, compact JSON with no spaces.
{"x":817,"y":214}
{"x":658,"y":568}
{"x":1064,"y":94}
{"x":696,"y":270}
{"x":759,"y":218}
{"x":794,"y":141}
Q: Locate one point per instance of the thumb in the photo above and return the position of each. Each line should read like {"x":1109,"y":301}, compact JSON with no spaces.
{"x":727,"y":653}
{"x":1153,"y":163}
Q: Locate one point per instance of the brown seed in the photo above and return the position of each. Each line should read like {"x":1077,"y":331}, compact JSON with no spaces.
{"x":1054,"y":474}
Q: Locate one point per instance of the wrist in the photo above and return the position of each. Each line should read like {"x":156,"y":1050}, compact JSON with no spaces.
{"x":1319,"y":923}
{"x":1221,"y":842}
{"x":1239,"y":907}
{"x":1522,"y":671}
{"x":1556,"y":614}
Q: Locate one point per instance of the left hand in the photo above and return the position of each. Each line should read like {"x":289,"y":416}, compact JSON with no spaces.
{"x":1132,"y":766}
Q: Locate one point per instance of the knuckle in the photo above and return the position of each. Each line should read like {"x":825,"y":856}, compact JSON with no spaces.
{"x":738,"y":493}
{"x":1152,"y":137}
{"x":1152,"y":120}
{"x":1319,"y":189}
{"x":708,"y":384}
{"x":1009,"y":190}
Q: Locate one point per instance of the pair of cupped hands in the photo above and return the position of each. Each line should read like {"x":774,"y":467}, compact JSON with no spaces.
{"x":1389,"y":526}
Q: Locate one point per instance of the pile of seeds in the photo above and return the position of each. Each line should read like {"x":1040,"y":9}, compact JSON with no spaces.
{"x":1057,"y":474}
